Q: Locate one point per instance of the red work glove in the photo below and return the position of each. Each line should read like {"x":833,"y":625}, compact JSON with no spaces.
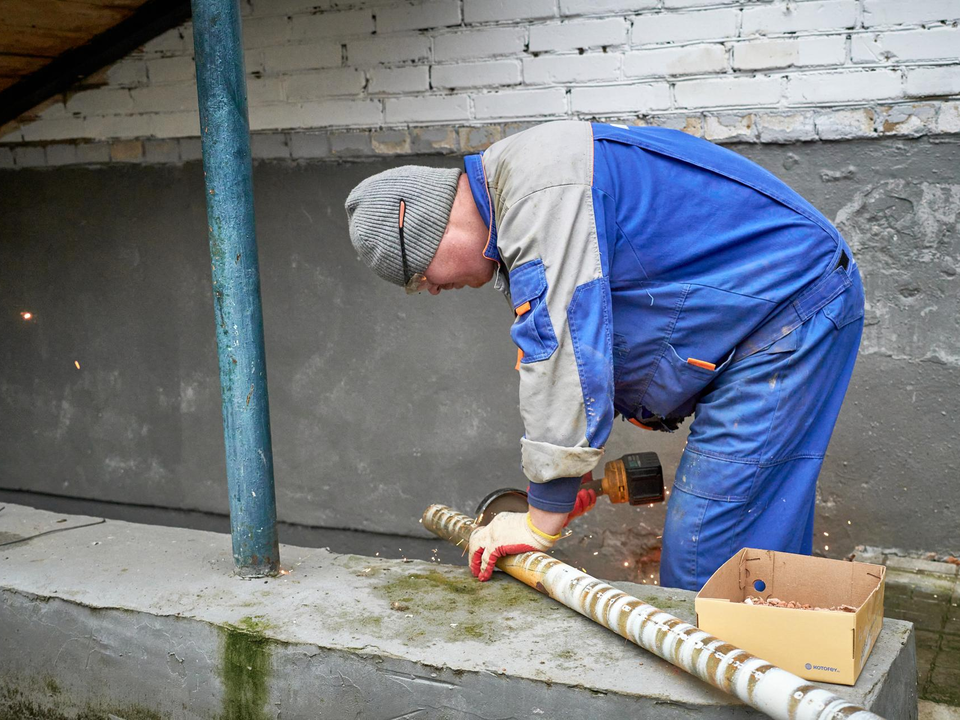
{"x":507,"y":534}
{"x":585,"y":501}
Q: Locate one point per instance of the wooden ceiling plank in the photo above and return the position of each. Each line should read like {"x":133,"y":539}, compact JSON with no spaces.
{"x":18,"y":65}
{"x":129,"y":4}
{"x":55,"y":15}
{"x":58,"y":75}
{"x":43,"y":43}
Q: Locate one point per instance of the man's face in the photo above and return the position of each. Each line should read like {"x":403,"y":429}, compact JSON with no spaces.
{"x":448,"y":277}
{"x":459,"y":261}
{"x":458,"y":264}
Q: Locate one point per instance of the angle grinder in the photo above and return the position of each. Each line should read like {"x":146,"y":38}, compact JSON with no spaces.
{"x":636,"y":478}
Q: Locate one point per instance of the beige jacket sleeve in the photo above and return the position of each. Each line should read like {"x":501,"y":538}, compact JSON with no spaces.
{"x":547,"y":239}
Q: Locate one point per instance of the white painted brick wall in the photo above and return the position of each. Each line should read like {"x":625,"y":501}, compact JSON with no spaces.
{"x":669,"y":62}
{"x":444,"y":108}
{"x":323,"y":83}
{"x":399,"y":80}
{"x":605,"y":7}
{"x":758,"y":70}
{"x":940,"y":43}
{"x":785,"y":17}
{"x":878,"y":13}
{"x":660,"y":28}
{"x":522,"y":103}
{"x":559,"y":69}
{"x":844,"y":87}
{"x":617,"y":99}
{"x":479,"y":43}
{"x":162,"y":98}
{"x":287,"y":58}
{"x":386,"y":49}
{"x":732,"y":92}
{"x":789,"y":52}
{"x":418,"y":16}
{"x":933,"y":81}
{"x":469,"y":75}
{"x":310,"y":28}
{"x":479,"y":11}
{"x":578,"y":34}
{"x":265,"y":31}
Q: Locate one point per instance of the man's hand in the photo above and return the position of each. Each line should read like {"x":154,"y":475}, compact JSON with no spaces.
{"x":507,"y":534}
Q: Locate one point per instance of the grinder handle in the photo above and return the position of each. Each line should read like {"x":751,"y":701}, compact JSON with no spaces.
{"x":613,"y":484}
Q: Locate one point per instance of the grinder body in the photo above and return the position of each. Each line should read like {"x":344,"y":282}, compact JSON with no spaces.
{"x":636,"y":478}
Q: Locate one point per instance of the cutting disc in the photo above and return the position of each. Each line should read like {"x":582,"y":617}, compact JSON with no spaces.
{"x":502,"y":500}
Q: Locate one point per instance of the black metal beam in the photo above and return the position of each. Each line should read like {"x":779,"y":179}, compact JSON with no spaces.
{"x":149,"y":20}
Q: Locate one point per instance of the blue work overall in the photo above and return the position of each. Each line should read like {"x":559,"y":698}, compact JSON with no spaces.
{"x":656,"y":275}
{"x":739,"y":241}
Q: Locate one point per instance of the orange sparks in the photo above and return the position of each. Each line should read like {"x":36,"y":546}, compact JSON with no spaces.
{"x":26,"y":315}
{"x":284,"y":572}
{"x":77,"y":363}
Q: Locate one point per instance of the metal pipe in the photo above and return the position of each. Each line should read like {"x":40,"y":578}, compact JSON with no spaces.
{"x":227,"y":169}
{"x":769,"y":689}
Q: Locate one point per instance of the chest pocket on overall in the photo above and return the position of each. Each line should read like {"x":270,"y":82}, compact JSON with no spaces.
{"x":532,"y":331}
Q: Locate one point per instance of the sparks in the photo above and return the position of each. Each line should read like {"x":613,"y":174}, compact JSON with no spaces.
{"x":26,"y":315}
{"x":626,"y":564}
{"x":826,"y":547}
{"x":77,"y":363}
{"x":284,"y":572}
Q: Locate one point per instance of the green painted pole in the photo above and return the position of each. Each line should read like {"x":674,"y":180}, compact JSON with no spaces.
{"x":227,"y":168}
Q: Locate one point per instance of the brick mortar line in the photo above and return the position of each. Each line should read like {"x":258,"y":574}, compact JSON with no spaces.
{"x":776,"y":108}
{"x":786,"y":75}
{"x":559,"y":18}
{"x":152,"y":56}
{"x":861,"y":122}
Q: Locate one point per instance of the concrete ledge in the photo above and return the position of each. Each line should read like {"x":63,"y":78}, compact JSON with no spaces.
{"x":143,"y":622}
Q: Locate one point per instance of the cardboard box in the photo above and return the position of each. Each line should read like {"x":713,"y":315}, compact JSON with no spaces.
{"x":814,"y":644}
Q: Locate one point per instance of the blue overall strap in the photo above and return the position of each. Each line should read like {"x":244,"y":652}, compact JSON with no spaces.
{"x":793,"y":313}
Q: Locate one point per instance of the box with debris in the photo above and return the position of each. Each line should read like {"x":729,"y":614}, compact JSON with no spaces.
{"x":815,"y":617}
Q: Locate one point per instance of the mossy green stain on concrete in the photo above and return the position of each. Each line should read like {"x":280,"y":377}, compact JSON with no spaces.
{"x":245,"y":667}
{"x":434,"y":590}
{"x":664,"y":603}
{"x":457,"y":603}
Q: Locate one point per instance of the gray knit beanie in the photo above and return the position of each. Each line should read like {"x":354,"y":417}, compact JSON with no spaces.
{"x":373,"y":214}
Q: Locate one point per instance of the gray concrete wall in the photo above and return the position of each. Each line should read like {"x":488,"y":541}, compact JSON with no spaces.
{"x":382,"y":404}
